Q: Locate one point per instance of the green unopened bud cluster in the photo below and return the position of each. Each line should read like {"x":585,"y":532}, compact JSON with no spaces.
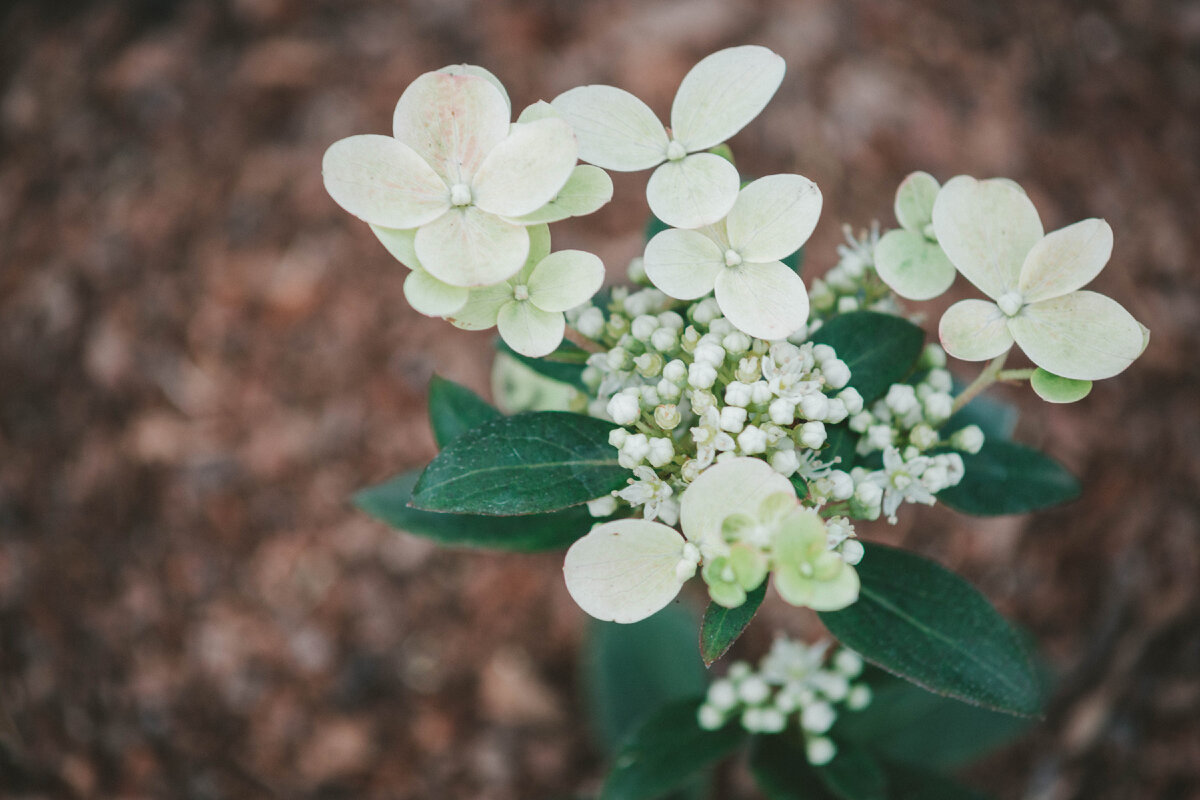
{"x":796,"y":686}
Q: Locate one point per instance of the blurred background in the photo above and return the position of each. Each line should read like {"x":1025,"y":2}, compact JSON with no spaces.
{"x":201,"y":357}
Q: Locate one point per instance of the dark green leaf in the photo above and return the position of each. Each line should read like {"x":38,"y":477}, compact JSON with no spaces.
{"x":840,"y":444}
{"x":953,"y":733}
{"x":1008,"y":478}
{"x":907,"y":783}
{"x":654,"y":226}
{"x":722,"y":626}
{"x":796,"y":261}
{"x":922,"y":622}
{"x":853,"y":775}
{"x":880,"y":349}
{"x":527,"y":464}
{"x":389,"y":502}
{"x":565,"y":364}
{"x":668,"y":749}
{"x":995,"y":418}
{"x":454,"y":410}
{"x":632,"y":670}
{"x":782,"y":771}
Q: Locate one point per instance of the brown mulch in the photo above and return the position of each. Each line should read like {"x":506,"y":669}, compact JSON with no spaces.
{"x":201,"y":357}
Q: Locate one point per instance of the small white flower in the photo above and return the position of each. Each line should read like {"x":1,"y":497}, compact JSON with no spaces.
{"x":993,"y":236}
{"x":900,"y":481}
{"x":739,"y":258}
{"x":717,"y":98}
{"x":909,"y":260}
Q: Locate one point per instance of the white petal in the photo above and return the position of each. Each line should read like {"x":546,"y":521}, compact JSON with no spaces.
{"x":1066,"y":260}
{"x":479,"y":72}
{"x":736,"y":486}
{"x":527,"y":169}
{"x":565,"y":279}
{"x":773,"y":217}
{"x":431,"y":297}
{"x":529,"y":330}
{"x":914,"y":201}
{"x":683,"y":264}
{"x":468,"y":247}
{"x":383,"y":182}
{"x":767,"y":301}
{"x":586,"y":190}
{"x":1082,"y":335}
{"x":986,"y":229}
{"x":452,"y":121}
{"x":616,"y":130}
{"x":539,"y":110}
{"x":693,"y":192}
{"x":722,"y":93}
{"x":400,"y":243}
{"x":482,"y":308}
{"x":913,"y":266}
{"x":974,"y":330}
{"x":624,"y":571}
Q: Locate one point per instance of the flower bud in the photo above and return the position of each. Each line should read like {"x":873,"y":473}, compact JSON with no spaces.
{"x":938,"y":407}
{"x":709,"y":718}
{"x":861,"y":421}
{"x":847,"y":304}
{"x":634,"y":451}
{"x":852,"y":551}
{"x":642,"y":327}
{"x":822,"y":353}
{"x":602,"y":506}
{"x":752,"y":440}
{"x":836,"y":412}
{"x":705,"y":311}
{"x":648,"y":365}
{"x":625,"y":408}
{"x":879,"y":437}
{"x":852,"y":399}
{"x":664,"y":340}
{"x":782,"y":411}
{"x":736,"y":342}
{"x":701,"y":375}
{"x":753,"y":690}
{"x":814,"y":405}
{"x":662,"y":450}
{"x":901,"y":399}
{"x":617,"y":359}
{"x":817,"y":718}
{"x":848,"y":662}
{"x":708,"y":352}
{"x":841,"y":485}
{"x":668,"y":391}
{"x":636,"y":271}
{"x":733,"y":419}
{"x":968,"y":439}
{"x":722,"y":694}
{"x":667,"y":417}
{"x":785,"y":461}
{"x":859,"y":697}
{"x":812,"y":434}
{"x":760,"y":393}
{"x":590,"y":323}
{"x":940,"y":380}
{"x":836,"y":373}
{"x":672,"y":320}
{"x":748,"y":370}
{"x":676,"y":372}
{"x":923,"y":436}
{"x":819,"y":750}
{"x":737,"y":394}
{"x":617,"y":437}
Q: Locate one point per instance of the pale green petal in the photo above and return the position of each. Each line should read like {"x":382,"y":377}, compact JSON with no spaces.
{"x":1057,"y":389}
{"x":1066,"y":260}
{"x":586,"y":190}
{"x":683,"y":264}
{"x":986,"y":229}
{"x":482,"y":308}
{"x":695,"y":191}
{"x":539,"y":110}
{"x":767,"y":301}
{"x":431,"y":297}
{"x":736,"y":486}
{"x":468,"y":247}
{"x":913,"y":266}
{"x":452,"y":121}
{"x":401,"y":243}
{"x":773,"y":217}
{"x":624,"y":571}
{"x":539,"y":244}
{"x":1082,"y":335}
{"x":565,"y":279}
{"x":616,"y":130}
{"x":974,"y":330}
{"x":914,"y":201}
{"x":722,"y":93}
{"x":527,"y":169}
{"x":827,"y":595}
{"x":529,"y":330}
{"x":383,"y":182}
{"x":479,"y":72}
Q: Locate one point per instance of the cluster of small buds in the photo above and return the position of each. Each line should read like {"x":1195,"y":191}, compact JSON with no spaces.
{"x":794,"y":683}
{"x":907,"y":476}
{"x":852,"y":284}
{"x":689,"y":389}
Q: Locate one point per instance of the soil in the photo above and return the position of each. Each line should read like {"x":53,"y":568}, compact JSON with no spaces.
{"x":202,"y":357}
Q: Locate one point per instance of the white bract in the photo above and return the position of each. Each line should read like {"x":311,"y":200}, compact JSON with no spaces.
{"x":909,"y":260}
{"x":527,"y":308}
{"x":458,"y":173}
{"x":992,"y":234}
{"x":739,"y":257}
{"x":716,"y":99}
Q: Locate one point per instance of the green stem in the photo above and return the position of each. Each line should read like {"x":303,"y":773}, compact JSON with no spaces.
{"x":986,"y":378}
{"x":577,"y":338}
{"x":1015,"y":374}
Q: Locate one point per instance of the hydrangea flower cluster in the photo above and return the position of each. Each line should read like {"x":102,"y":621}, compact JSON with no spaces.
{"x":796,"y":685}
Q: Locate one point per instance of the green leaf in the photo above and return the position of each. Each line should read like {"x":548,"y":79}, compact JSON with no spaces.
{"x":1057,"y":389}
{"x":953,"y":733}
{"x":880,"y":349}
{"x":796,"y":261}
{"x":526,"y":464}
{"x":1008,"y":478}
{"x":666,"y":751}
{"x":654,"y":226}
{"x":781,"y":769}
{"x":722,"y":626}
{"x":389,"y":502}
{"x":922,"y":622}
{"x":853,"y":775}
{"x":840,"y":444}
{"x":454,"y":410}
{"x":631,"y":670}
{"x":907,"y":783}
{"x":564,"y":365}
